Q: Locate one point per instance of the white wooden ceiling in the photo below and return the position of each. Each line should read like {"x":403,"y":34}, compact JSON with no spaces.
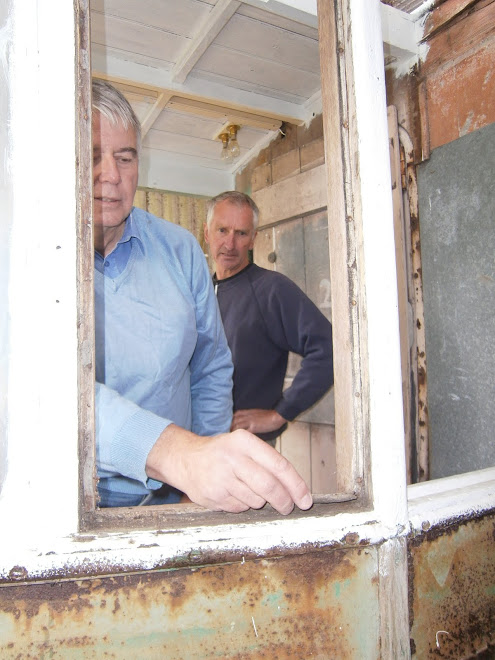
{"x":191,"y":67}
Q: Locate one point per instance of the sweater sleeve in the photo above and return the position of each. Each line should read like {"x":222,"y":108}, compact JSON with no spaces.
{"x":301,"y":328}
{"x":125,"y":434}
{"x":211,"y":364}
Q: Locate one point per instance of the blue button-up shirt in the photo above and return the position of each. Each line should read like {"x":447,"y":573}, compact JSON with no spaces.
{"x":161,"y":352}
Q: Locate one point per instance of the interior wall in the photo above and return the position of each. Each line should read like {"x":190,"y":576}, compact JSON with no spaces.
{"x":189,"y":211}
{"x":295,"y":243}
{"x":447,"y":106}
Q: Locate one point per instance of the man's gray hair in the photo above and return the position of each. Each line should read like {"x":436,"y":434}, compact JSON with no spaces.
{"x":113,"y":105}
{"x":236,"y":198}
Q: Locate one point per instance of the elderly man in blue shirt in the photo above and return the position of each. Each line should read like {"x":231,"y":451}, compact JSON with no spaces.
{"x":163,"y":367}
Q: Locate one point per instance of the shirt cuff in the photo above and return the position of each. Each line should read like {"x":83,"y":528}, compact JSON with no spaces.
{"x":288,"y":411}
{"x":130,"y":456}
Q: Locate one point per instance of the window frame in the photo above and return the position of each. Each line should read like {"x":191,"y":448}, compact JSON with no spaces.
{"x":348,"y":300}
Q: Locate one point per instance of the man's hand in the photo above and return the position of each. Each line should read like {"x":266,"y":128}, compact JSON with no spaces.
{"x":229,"y":472}
{"x":257,"y":420}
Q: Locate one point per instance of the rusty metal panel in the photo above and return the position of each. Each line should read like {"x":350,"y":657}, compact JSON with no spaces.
{"x":452,"y":590}
{"x":318,"y":605}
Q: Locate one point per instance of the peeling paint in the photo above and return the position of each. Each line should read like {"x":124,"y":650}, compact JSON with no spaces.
{"x":316,"y":605}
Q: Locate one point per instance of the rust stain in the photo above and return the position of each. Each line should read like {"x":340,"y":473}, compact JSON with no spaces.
{"x":452,"y":589}
{"x":287,"y":607}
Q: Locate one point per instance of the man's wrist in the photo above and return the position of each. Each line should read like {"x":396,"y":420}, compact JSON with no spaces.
{"x":166,"y":458}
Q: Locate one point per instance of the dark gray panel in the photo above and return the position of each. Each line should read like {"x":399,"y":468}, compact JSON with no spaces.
{"x":456,"y":209}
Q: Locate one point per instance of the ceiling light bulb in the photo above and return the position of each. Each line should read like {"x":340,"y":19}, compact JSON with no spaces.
{"x":225,"y":154}
{"x":234,"y":149}
{"x":233,"y":144}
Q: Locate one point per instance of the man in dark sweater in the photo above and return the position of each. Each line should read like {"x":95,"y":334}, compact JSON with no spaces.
{"x":265,"y":315}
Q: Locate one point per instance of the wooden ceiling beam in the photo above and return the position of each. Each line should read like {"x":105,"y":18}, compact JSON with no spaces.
{"x":154,"y":112}
{"x":219,"y":16}
{"x":231,"y":115}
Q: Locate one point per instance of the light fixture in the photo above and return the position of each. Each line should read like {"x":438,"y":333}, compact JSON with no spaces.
{"x":230,"y":146}
{"x":233,"y":144}
{"x":225,"y":154}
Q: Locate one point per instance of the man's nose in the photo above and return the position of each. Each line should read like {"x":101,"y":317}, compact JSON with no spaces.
{"x":109,"y":171}
{"x":230,"y":240}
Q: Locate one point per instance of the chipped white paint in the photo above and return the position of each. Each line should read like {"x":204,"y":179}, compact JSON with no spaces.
{"x":380,"y":283}
{"x":436,"y":502}
{"x":39,"y":441}
{"x":38,"y":499}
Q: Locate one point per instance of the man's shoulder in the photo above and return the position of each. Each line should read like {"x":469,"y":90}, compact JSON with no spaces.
{"x":265,"y":278}
{"x":160,"y":231}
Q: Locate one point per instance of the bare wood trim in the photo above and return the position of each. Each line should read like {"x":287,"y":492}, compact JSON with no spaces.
{"x":173,"y":516}
{"x":343,"y":253}
{"x":424,"y":120}
{"x":219,"y":16}
{"x":443,"y":16}
{"x":298,"y":195}
{"x":402,"y":280}
{"x":416,"y":296}
{"x":393,"y":599}
{"x":85,"y":298}
{"x":155,"y":112}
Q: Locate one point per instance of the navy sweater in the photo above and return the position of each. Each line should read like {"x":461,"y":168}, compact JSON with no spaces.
{"x":266,"y":315}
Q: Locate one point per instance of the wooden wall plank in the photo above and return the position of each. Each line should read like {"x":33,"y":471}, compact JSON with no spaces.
{"x":323,"y":459}
{"x":296,"y":196}
{"x":154,"y":203}
{"x":295,"y":445}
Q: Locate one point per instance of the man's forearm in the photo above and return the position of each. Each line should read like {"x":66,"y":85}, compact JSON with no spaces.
{"x":229,"y":472}
{"x":257,"y":420}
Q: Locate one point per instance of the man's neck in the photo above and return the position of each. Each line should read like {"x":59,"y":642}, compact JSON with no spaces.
{"x":225,"y":275}
{"x":106,"y":238}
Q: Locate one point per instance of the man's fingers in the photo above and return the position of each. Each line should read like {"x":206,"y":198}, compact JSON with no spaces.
{"x":244,"y":493}
{"x":265,"y":485}
{"x":283,"y":472}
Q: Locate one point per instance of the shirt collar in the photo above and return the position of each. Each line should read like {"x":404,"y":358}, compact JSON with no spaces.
{"x":227,"y":279}
{"x":132,"y":230}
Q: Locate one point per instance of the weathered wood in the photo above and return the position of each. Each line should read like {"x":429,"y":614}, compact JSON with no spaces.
{"x":442,"y":16}
{"x":295,"y":445}
{"x":262,"y":177}
{"x":154,"y":203}
{"x":312,"y":154}
{"x":393,"y":601}
{"x":140,"y":199}
{"x":264,"y":249}
{"x":286,"y":166}
{"x":323,"y":459}
{"x":293,"y":197}
{"x":343,"y":300}
{"x":402,"y":280}
{"x":420,"y":426}
{"x":85,"y":290}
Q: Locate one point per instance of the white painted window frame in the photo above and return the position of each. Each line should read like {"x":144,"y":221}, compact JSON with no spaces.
{"x":39,"y":357}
